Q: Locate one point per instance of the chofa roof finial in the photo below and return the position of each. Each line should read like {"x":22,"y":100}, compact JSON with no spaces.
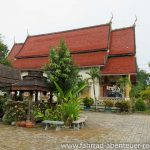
{"x":135,"y":21}
{"x":27,"y":32}
{"x":112,"y":16}
{"x":14,"y":40}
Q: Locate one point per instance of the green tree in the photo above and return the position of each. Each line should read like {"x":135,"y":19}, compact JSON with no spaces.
{"x":61,"y":69}
{"x":143,"y":80}
{"x":122,"y":82}
{"x":3,"y":53}
{"x":94,"y":74}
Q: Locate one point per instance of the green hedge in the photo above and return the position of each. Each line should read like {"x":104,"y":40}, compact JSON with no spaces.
{"x":140,"y":105}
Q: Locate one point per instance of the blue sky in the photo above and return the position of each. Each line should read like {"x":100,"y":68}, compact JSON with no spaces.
{"x":45,"y":16}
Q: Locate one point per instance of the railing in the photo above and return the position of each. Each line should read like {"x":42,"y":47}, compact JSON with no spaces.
{"x":111,"y":98}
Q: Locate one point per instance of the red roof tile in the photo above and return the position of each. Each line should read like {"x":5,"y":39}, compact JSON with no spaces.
{"x":120,"y":65}
{"x":30,"y":63}
{"x":82,"y":60}
{"x":90,"y":59}
{"x":122,"y":41}
{"x":81,"y":42}
{"x":84,"y":39}
{"x":15,"y":49}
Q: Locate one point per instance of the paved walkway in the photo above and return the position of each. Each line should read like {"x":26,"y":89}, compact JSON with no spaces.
{"x":101,"y":128}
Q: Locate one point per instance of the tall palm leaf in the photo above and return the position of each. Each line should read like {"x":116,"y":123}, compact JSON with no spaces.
{"x":94,"y":74}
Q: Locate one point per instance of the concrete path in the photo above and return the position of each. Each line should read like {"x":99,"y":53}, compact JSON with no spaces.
{"x":102,"y":128}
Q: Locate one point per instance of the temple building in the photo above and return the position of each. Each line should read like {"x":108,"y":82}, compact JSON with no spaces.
{"x":111,"y":50}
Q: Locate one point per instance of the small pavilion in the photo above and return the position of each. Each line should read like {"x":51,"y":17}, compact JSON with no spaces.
{"x":33,"y":83}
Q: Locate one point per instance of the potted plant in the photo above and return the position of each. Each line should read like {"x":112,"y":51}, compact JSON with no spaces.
{"x":88,"y":102}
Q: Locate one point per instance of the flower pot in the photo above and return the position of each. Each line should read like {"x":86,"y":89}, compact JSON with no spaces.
{"x":18,"y":123}
{"x":22,"y":124}
{"x":29,"y":124}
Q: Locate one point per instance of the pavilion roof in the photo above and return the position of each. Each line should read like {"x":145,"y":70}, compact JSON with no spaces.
{"x":31,"y":82}
{"x":8,"y":76}
{"x":30,"y":85}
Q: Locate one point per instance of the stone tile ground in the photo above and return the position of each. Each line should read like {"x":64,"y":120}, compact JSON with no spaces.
{"x":101,"y":128}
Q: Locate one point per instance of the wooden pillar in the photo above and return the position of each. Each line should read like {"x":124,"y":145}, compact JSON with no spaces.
{"x":101,"y":91}
{"x":15,"y":94}
{"x":36,"y":96}
{"x":104,"y":91}
{"x":128,"y":89}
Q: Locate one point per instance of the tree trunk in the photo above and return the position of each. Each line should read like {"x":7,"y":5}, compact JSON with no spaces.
{"x":123,"y":93}
{"x":50,"y":99}
{"x":94,"y":94}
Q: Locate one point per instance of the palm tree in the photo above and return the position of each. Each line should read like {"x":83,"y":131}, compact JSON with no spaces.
{"x":122,"y":82}
{"x":94,"y":74}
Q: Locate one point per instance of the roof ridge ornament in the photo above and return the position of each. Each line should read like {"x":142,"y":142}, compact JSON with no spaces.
{"x":27,"y":32}
{"x":134,"y":24}
{"x":112,"y":16}
{"x":14,"y":40}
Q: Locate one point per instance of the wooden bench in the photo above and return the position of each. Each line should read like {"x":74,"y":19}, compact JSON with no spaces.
{"x":48,"y":123}
{"x":80,"y":123}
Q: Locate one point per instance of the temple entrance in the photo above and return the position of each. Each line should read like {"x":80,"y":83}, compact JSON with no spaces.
{"x":109,"y":87}
{"x":113,"y":91}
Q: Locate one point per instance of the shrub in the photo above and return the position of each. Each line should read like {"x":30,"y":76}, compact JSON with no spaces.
{"x":55,"y":114}
{"x":38,"y":116}
{"x":140,"y":105}
{"x":70,"y":111}
{"x":145,"y":94}
{"x":2,"y":103}
{"x":15,"y":111}
{"x":48,"y":114}
{"x":124,"y":106}
{"x":88,"y":101}
{"x":40,"y":106}
{"x":109,"y":103}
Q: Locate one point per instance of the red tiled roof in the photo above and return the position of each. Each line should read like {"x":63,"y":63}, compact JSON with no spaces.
{"x":30,"y":63}
{"x":15,"y":49}
{"x":122,"y":41}
{"x":86,"y":45}
{"x":82,"y":60}
{"x":120,"y":65}
{"x":83,"y":39}
{"x":90,"y":59}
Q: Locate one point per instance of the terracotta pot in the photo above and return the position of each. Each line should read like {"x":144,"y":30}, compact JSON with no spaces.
{"x":22,"y":123}
{"x":18,"y":123}
{"x":29,"y":124}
